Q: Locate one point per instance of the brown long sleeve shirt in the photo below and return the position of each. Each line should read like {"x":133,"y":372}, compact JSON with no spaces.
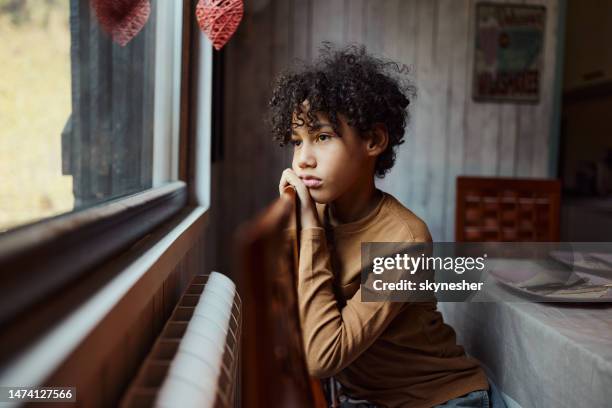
{"x":394,"y":354}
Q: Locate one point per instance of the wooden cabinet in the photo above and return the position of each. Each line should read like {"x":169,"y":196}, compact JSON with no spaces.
{"x":588,"y":52}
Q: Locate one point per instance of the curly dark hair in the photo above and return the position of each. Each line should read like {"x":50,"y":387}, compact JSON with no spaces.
{"x":363,"y":88}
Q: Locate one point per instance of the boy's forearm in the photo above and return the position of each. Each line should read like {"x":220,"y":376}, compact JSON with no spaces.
{"x":319,"y":313}
{"x":333,"y":337}
{"x":310,"y":220}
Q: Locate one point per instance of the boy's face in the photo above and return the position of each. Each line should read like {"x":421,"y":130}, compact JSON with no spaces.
{"x":329,"y":163}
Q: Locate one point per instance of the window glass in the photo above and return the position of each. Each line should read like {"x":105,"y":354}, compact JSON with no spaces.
{"x":82,"y":118}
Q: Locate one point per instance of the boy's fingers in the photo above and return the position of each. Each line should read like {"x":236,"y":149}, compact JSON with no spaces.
{"x":284,"y":186}
{"x":301,"y":189}
{"x":284,"y":182}
{"x":290,"y":178}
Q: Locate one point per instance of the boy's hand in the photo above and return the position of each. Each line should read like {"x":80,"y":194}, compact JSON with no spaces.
{"x":308,"y":216}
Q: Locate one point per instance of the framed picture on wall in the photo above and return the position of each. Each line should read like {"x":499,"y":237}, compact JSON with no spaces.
{"x":508,"y":52}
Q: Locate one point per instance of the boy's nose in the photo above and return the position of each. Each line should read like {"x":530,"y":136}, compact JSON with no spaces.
{"x":306,"y":158}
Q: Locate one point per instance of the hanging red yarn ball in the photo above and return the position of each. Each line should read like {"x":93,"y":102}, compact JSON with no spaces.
{"x":122,"y":19}
{"x":219,"y":19}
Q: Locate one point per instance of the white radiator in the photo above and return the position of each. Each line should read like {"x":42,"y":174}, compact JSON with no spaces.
{"x":194,"y":362}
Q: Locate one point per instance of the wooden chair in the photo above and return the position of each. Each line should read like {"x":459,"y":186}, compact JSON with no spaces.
{"x":506,"y":209}
{"x":273,"y":361}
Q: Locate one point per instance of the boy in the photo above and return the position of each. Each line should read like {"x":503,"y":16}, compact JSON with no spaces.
{"x":344,"y":116}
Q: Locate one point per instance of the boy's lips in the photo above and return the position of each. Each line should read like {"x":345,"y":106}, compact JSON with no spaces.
{"x":311,"y":182}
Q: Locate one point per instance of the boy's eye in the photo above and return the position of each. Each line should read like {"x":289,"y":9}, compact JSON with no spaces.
{"x":322,"y":137}
{"x":296,"y":143}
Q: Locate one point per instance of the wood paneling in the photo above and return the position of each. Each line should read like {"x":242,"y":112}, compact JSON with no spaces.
{"x":104,"y":364}
{"x":449,"y":134}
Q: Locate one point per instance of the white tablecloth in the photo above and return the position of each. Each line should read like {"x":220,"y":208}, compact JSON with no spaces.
{"x":540,"y":354}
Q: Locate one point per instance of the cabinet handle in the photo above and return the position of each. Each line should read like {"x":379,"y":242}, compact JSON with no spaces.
{"x":589,"y":76}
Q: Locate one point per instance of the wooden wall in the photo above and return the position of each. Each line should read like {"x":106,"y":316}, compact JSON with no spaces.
{"x":449,"y":133}
{"x":107,"y":360}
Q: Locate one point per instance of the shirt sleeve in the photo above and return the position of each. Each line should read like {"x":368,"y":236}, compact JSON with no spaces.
{"x":333,"y":337}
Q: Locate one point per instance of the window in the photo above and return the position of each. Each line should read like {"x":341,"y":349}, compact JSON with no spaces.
{"x":82,"y":119}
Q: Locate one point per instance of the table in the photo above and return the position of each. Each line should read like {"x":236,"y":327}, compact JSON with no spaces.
{"x":539,"y":354}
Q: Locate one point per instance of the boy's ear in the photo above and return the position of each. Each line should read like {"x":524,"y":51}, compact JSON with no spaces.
{"x":378,"y":139}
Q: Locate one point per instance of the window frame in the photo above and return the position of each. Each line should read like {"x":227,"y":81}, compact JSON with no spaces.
{"x":58,"y":251}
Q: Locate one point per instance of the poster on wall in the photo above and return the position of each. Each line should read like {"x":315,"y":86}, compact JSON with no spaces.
{"x":508,"y":52}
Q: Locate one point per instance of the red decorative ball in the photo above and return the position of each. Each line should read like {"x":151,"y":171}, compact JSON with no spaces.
{"x":219,"y":19}
{"x":122,"y":19}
